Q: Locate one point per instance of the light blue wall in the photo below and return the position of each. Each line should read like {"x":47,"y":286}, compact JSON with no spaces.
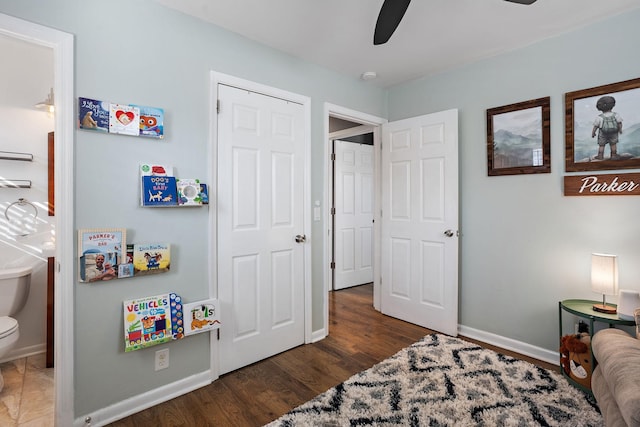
{"x":140,"y":52}
{"x":524,"y":246}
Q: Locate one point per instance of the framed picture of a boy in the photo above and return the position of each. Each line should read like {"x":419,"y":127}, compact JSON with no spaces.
{"x":602,"y":127}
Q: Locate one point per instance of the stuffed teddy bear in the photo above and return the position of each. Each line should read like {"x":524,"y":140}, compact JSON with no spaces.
{"x":575,"y":357}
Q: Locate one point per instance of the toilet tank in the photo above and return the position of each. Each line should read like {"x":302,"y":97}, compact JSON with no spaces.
{"x":14,"y":289}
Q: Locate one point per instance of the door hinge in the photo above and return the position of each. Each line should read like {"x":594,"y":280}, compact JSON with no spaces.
{"x":333,"y":265}
{"x":333,"y":211}
{"x":218,"y":106}
{"x":333,"y":157}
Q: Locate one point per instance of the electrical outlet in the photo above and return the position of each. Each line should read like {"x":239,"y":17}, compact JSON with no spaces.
{"x":162,"y":359}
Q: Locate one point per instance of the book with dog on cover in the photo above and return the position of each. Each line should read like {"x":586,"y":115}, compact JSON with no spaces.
{"x":157,"y":185}
{"x":159,"y":191}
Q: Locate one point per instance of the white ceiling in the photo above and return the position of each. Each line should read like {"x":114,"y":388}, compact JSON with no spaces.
{"x":434,"y":35}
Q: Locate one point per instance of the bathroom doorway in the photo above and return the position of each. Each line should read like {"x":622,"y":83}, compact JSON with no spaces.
{"x":49,"y":236}
{"x":27,"y":232}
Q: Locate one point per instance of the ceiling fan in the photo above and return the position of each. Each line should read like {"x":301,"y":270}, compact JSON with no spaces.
{"x":391,"y":14}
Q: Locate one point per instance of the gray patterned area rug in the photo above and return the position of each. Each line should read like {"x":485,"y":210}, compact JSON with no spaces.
{"x":444,"y":381}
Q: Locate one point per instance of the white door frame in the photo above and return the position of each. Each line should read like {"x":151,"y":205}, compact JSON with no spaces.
{"x":216,"y":79}
{"x":332,"y":110}
{"x":62,"y":45}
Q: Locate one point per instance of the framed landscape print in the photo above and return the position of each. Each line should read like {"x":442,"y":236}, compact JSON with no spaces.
{"x":602,"y":127}
{"x":518,"y":138}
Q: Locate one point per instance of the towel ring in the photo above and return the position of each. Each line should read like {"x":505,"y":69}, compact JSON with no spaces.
{"x":21,"y":202}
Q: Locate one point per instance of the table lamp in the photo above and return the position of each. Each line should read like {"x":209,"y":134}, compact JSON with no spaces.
{"x":604,"y":279}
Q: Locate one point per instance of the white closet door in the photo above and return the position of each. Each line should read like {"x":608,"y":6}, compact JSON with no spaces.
{"x":260,"y":212}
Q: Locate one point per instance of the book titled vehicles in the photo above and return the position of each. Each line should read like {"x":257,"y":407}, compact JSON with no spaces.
{"x":152,"y":320}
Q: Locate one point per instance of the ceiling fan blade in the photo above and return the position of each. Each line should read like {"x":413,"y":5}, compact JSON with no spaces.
{"x":522,"y":1}
{"x":391,"y":14}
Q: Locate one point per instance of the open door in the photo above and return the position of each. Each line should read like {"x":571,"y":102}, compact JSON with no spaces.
{"x":419,"y":224}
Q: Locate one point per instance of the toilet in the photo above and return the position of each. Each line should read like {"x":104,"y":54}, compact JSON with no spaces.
{"x":14,"y":290}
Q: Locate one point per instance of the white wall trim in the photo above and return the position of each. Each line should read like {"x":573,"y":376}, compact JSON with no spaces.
{"x":318,"y":335}
{"x":511,"y":344}
{"x":144,"y":401}
{"x":20,"y":353}
{"x":214,"y":362}
{"x":354,"y":131}
{"x":63,"y":63}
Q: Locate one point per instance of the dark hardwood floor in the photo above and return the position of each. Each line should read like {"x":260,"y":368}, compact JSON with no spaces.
{"x":359,"y":337}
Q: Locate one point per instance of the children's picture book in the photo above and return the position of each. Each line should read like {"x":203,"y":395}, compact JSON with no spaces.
{"x":124,"y":119}
{"x":148,"y":169}
{"x":204,"y":193}
{"x":93,"y":114}
{"x":126,"y":268}
{"x":159,"y":191}
{"x":201,"y":316}
{"x":188,"y":192}
{"x":152,"y":320}
{"x":100,"y":251}
{"x":151,"y":258}
{"x":151,"y":121}
{"x":128,"y":257}
{"x":135,"y":120}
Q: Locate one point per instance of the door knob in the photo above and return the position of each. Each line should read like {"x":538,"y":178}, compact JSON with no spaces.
{"x":449,"y":233}
{"x":301,"y":238}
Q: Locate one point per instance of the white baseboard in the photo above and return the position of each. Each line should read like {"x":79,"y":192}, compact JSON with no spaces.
{"x":318,"y":335}
{"x":511,"y":344}
{"x":19,"y":353}
{"x":143,"y":401}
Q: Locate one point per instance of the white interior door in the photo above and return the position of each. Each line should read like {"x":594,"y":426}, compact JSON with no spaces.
{"x":260,"y":212}
{"x":419,"y":225}
{"x":353,"y":171}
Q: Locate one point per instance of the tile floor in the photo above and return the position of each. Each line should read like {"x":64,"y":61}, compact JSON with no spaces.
{"x":27,"y":397}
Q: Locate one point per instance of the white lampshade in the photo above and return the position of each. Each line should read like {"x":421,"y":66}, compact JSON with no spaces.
{"x":604,"y":274}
